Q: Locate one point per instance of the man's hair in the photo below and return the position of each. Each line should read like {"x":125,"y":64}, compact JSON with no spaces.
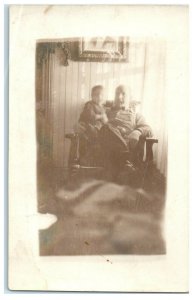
{"x":121,"y":89}
{"x":96,"y":88}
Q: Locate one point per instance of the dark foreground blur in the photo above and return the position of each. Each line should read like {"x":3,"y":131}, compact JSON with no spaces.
{"x":97,"y":217}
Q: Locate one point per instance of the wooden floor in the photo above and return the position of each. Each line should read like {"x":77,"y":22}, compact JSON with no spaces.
{"x":98,"y":217}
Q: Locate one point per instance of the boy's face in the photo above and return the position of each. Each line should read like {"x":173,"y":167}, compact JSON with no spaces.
{"x":97,"y":97}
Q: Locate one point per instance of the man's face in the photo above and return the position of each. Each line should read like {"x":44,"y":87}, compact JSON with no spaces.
{"x":97,"y":97}
{"x":119,"y":99}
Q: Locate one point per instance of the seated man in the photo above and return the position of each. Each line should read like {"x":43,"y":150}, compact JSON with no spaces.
{"x":123,"y":131}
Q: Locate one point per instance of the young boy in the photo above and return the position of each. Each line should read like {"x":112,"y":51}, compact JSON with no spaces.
{"x":94,"y":115}
{"x":92,"y":118}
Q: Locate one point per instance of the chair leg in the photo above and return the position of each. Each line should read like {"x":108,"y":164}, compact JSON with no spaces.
{"x":149,"y":149}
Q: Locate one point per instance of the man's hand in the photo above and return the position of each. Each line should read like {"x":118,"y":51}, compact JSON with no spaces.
{"x":122,"y":130}
{"x":134,"y":138}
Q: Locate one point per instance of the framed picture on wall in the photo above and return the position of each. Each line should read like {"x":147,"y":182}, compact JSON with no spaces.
{"x":103,"y":48}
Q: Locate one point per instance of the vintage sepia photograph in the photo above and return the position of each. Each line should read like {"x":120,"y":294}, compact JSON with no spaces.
{"x":101,"y":145}
{"x":98,"y":148}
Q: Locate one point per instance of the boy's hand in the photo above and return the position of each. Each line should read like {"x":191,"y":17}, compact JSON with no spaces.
{"x":134,"y":138}
{"x":104,"y":118}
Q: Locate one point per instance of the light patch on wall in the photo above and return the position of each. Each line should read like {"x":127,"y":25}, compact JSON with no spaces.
{"x":82,"y":91}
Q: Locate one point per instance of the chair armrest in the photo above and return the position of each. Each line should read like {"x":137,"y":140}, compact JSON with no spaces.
{"x":151,"y":140}
{"x":70,"y":135}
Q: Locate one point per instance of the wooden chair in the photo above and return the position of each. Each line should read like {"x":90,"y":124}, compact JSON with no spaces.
{"x":74,"y":161}
{"x":77,"y":165}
